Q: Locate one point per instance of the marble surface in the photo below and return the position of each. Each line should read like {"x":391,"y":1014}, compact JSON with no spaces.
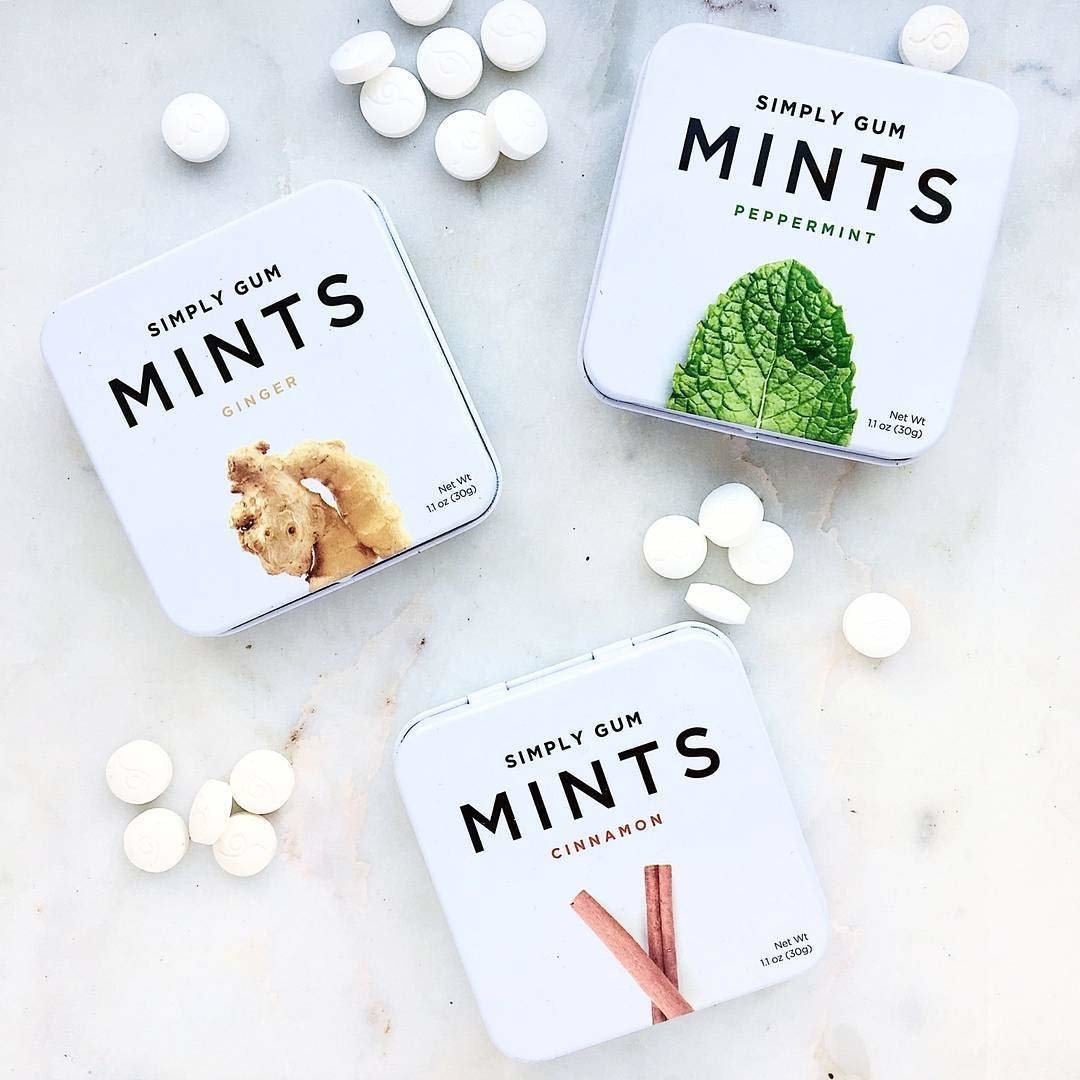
{"x":939,"y":791}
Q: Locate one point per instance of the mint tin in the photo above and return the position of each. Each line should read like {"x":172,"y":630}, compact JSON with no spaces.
{"x":273,"y":409}
{"x":796,"y":243}
{"x":612,"y":842}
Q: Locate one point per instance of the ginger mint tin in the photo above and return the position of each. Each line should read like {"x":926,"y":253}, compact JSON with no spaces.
{"x":273,"y":409}
{"x":612,"y":842}
{"x":796,"y":243}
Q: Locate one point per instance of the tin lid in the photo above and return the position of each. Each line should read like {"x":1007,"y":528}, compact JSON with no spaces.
{"x":561,"y":789}
{"x":796,"y":243}
{"x":272,"y":409}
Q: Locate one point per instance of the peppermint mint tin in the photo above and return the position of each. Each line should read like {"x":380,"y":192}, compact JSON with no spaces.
{"x":612,"y":842}
{"x":796,"y":243}
{"x":273,"y":409}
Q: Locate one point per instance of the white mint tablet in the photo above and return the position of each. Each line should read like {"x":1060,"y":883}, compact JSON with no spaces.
{"x":362,"y":57}
{"x":935,"y":38}
{"x":675,"y":546}
{"x":449,"y":62}
{"x":518,"y":124}
{"x":210,"y":812}
{"x":465,"y":145}
{"x":156,"y":840}
{"x":138,"y":772}
{"x":717,"y":604}
{"x":393,"y":103}
{"x":246,"y":846}
{"x":730,"y":514}
{"x":877,"y":625}
{"x":421,"y":12}
{"x":262,"y":781}
{"x":195,"y":127}
{"x":763,"y":557}
{"x":513,"y":35}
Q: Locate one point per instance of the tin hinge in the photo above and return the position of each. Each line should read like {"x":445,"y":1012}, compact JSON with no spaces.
{"x":488,"y":693}
{"x":544,"y":673}
{"x":612,"y":649}
{"x":491,"y":692}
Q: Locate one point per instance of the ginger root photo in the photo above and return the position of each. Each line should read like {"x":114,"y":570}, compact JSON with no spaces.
{"x":294,"y":530}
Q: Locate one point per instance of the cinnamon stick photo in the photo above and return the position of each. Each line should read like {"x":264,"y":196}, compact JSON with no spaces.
{"x":660,"y":926}
{"x":654,"y":934}
{"x":630,"y":955}
{"x":667,"y":924}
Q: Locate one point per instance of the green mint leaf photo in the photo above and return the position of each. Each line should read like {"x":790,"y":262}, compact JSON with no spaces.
{"x":772,"y":352}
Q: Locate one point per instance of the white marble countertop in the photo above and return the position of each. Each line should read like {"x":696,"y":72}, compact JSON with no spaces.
{"x":939,"y":791}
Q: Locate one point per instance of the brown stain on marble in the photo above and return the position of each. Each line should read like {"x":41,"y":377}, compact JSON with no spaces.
{"x":379,"y":1019}
{"x":307,"y":712}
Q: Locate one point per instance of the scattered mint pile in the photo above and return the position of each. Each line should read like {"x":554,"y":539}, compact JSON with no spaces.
{"x":773,"y":352}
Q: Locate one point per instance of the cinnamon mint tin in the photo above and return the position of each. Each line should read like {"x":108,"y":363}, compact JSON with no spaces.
{"x":796,"y":243}
{"x":612,"y":842}
{"x":273,"y":409}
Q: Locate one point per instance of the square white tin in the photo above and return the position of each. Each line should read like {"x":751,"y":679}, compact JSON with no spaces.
{"x":796,"y":243}
{"x":272,"y":409}
{"x":649,"y":753}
